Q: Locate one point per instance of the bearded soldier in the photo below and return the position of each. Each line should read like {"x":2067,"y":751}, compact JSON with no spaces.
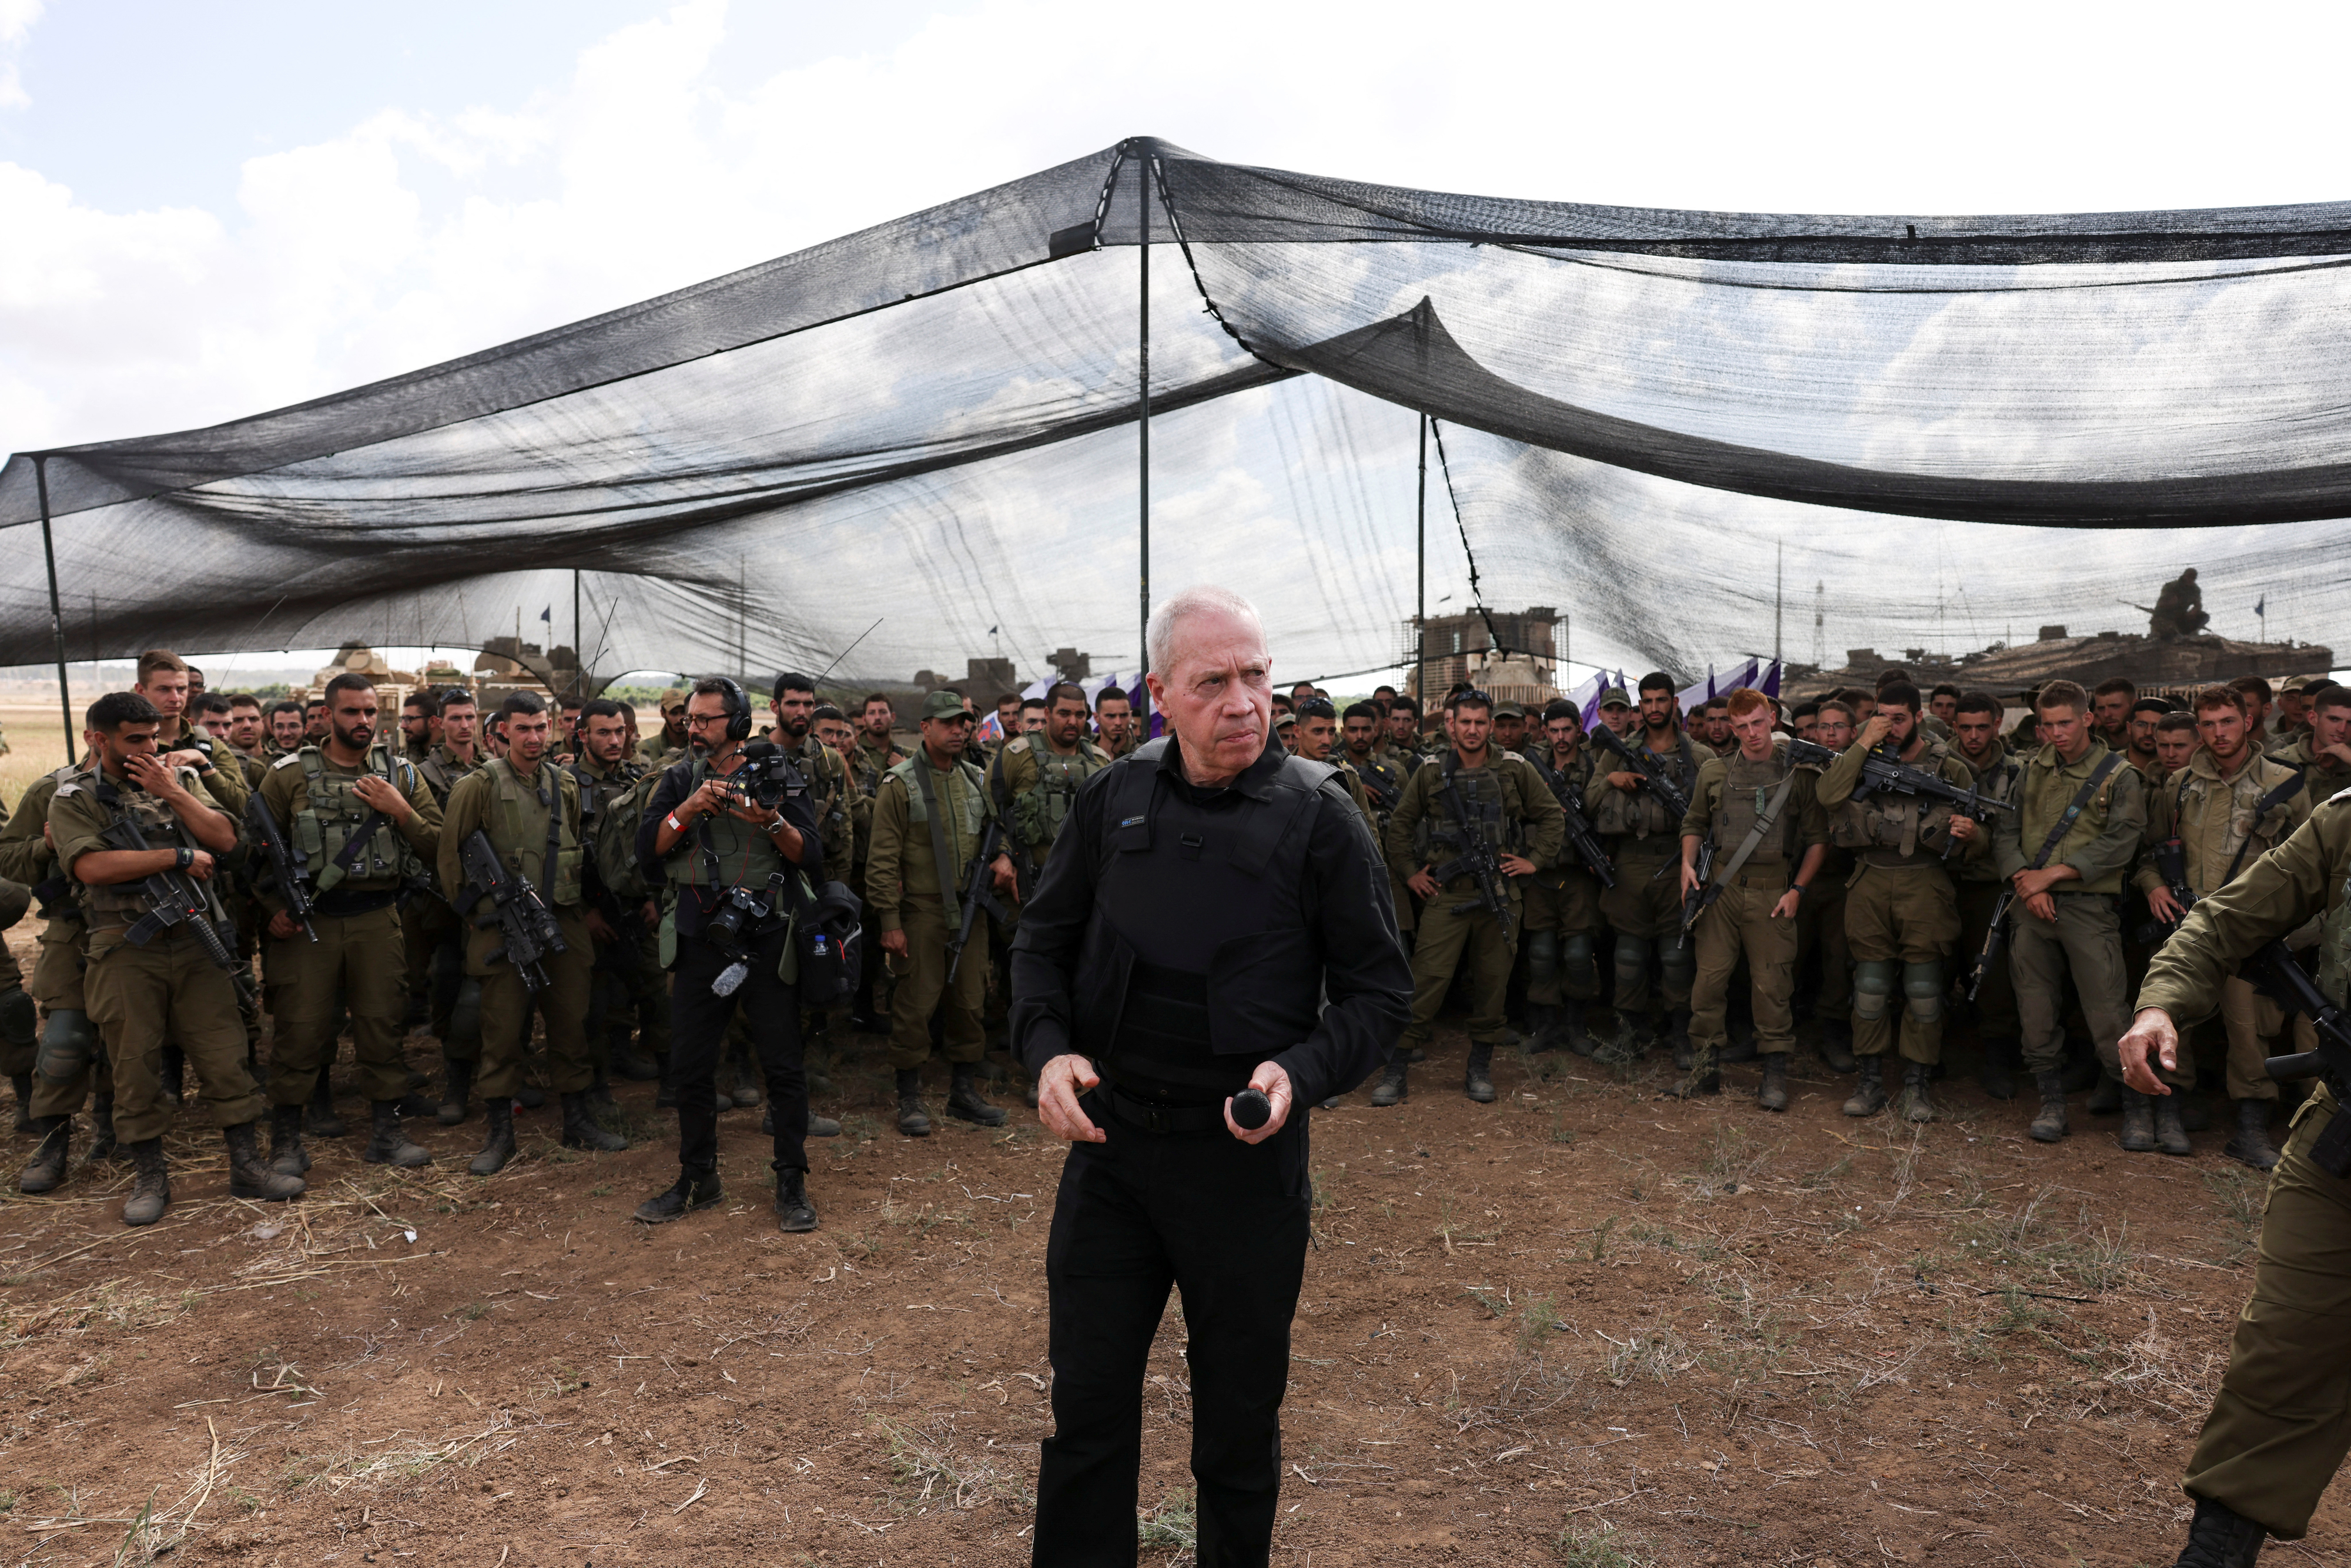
{"x":631,"y":993}
{"x":1644,"y":835}
{"x":2322,"y":751}
{"x":1115,"y":722}
{"x":668,"y":744}
{"x":1035,"y":778}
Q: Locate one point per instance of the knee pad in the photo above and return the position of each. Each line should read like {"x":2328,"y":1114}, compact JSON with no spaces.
{"x":1576,"y":959}
{"x":1542,"y":956}
{"x":1632,"y":958}
{"x":1872,"y":989}
{"x":1679,"y":962}
{"x":68,"y":1046}
{"x":20,"y":1020}
{"x":465,"y":1016}
{"x":1922,"y":986}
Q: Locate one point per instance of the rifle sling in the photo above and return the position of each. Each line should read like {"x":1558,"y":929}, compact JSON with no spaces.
{"x":2269,"y":802}
{"x":950,"y":874}
{"x":2073,"y":810}
{"x":1765,"y":820}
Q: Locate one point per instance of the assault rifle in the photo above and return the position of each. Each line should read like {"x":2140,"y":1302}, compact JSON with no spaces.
{"x":528,"y":926}
{"x":977,"y":893}
{"x":285,"y":863}
{"x":346,"y":858}
{"x":1695,"y":901}
{"x":1580,"y":836}
{"x":173,"y":898}
{"x":2170,"y":858}
{"x":1384,"y":800}
{"x":1882,"y":773}
{"x":1654,"y":776}
{"x":1479,"y":858}
{"x":2272,"y":969}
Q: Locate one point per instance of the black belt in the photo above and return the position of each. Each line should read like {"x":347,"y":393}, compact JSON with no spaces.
{"x":342,"y":905}
{"x":1145,"y":1117}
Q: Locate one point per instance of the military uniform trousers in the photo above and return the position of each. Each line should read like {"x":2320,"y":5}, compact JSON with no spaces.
{"x":920,"y":988}
{"x":631,"y":994}
{"x":1226,"y":1223}
{"x":1741,"y":922}
{"x":359,"y":961}
{"x":1995,"y":1002}
{"x":1646,"y":905}
{"x":435,"y":940}
{"x":2252,"y":1028}
{"x":16,"y":1015}
{"x":2282,"y":1423}
{"x":1819,"y":939}
{"x":60,"y":1088}
{"x":507,"y":1005}
{"x":1897,"y":916}
{"x":1451,"y":937}
{"x":2085,"y":938}
{"x":141,"y":997}
{"x":1564,"y":901}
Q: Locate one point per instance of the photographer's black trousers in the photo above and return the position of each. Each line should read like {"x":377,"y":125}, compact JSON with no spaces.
{"x":698,"y":1020}
{"x":1226,"y":1224}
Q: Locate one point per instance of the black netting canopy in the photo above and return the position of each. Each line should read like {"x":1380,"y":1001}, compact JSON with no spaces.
{"x":1954,"y":426}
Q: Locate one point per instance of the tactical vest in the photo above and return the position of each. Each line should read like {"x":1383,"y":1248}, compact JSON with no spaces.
{"x":1200,"y":957}
{"x":1484,"y":814}
{"x":442,"y":772}
{"x":1639,"y":814}
{"x":1038,"y":811}
{"x":526,"y":821}
{"x":2242,"y":838}
{"x":727,"y":850}
{"x":970,"y":818}
{"x":1747,"y":788}
{"x":1884,"y":821}
{"x":125,"y":902}
{"x":332,"y":811}
{"x":618,"y":818}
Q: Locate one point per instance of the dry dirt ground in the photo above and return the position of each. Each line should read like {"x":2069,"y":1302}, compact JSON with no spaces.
{"x":1579,"y":1325}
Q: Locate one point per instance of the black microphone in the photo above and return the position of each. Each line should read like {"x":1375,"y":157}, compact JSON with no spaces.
{"x":1251,"y":1110}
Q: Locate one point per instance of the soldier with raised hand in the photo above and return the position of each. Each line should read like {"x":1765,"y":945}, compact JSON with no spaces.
{"x":529,"y":811}
{"x":2322,"y":751}
{"x":1472,"y":798}
{"x":139,"y":992}
{"x":1770,"y":833}
{"x":929,"y":818}
{"x":1976,"y":743}
{"x":1645,"y":837}
{"x":1901,"y":913}
{"x":163,"y":683}
{"x":1563,"y":901}
{"x":2228,"y":805}
{"x":2276,"y":1433}
{"x":670,"y":742}
{"x":2065,"y":852}
{"x":353,"y":958}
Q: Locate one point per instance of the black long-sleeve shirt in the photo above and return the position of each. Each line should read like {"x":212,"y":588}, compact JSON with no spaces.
{"x":1365,"y":976}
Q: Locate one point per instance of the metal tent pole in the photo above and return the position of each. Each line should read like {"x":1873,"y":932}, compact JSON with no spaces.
{"x":1420,"y":592}
{"x":579,"y":669}
{"x":56,"y":612}
{"x":1143,"y":450}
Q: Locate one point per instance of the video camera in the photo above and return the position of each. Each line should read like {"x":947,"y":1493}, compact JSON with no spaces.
{"x":767,"y":776}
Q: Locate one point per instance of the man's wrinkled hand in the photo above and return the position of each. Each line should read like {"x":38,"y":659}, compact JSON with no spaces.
{"x":2152,"y":1038}
{"x":1271,"y":1081}
{"x":1058,"y":1088}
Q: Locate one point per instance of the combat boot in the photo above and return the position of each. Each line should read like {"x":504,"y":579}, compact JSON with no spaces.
{"x":914,"y":1118}
{"x":456,"y":1097}
{"x":22,"y":1082}
{"x":1741,"y":1046}
{"x":529,"y":1097}
{"x":599,"y":1093}
{"x":1477,"y":1079}
{"x":150,"y":1193}
{"x":2138,"y":1122}
{"x":1390,"y":1086}
{"x":1573,"y":1033}
{"x":1917,"y":1105}
{"x":102,"y":1146}
{"x":633,"y":1064}
{"x":580,"y":1129}
{"x":2170,"y":1136}
{"x":2049,"y":1127}
{"x":46,"y":1168}
{"x":1836,"y":1045}
{"x":1543,"y":1019}
{"x":324,"y":1123}
{"x":2220,"y":1537}
{"x":1772,"y":1095}
{"x":499,"y":1147}
{"x":794,"y":1212}
{"x":2107,"y":1097}
{"x":286,"y":1155}
{"x":387,"y":1145}
{"x":2250,"y":1146}
{"x":692,"y":1190}
{"x":2194,"y":1114}
{"x":1678,"y":1022}
{"x":1869,"y":1093}
{"x":1998,"y":1073}
{"x":250,"y":1175}
{"x":967,"y":1103}
{"x":1703,"y":1076}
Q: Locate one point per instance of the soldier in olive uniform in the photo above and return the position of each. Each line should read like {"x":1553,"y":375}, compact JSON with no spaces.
{"x":1820,"y":925}
{"x":365,"y":827}
{"x":1563,"y":901}
{"x":1644,"y":839}
{"x":1764,"y":817}
{"x":529,"y":811}
{"x":628,"y":1019}
{"x":2081,"y":814}
{"x":792,"y":704}
{"x":2323,"y":752}
{"x":1318,"y":741}
{"x":163,"y":683}
{"x":2228,"y":805}
{"x":2278,"y":1429}
{"x":1403,"y":739}
{"x":1473,"y":793}
{"x":877,"y":748}
{"x":668,"y":744}
{"x":1383,"y":776}
{"x":168,"y":985}
{"x":20,"y":1020}
{"x":1117,"y":727}
{"x":1976,"y":743}
{"x":68,"y":1061}
{"x":1901,"y":912}
{"x":929,"y":817}
{"x":1034,"y":779}
{"x":434,"y":935}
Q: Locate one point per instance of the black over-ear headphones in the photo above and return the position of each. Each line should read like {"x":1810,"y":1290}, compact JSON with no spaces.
{"x":738,"y":711}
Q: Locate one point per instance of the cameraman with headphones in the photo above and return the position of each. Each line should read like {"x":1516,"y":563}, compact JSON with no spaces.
{"x":716,"y":847}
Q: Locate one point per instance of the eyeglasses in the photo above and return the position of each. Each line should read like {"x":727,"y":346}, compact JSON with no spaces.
{"x":694,"y":720}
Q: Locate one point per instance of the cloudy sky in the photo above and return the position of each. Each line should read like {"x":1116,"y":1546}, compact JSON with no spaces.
{"x":210,"y":209}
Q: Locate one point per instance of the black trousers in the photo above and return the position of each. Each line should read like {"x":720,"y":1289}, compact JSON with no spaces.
{"x":698,"y":1020}
{"x":1226,"y":1224}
